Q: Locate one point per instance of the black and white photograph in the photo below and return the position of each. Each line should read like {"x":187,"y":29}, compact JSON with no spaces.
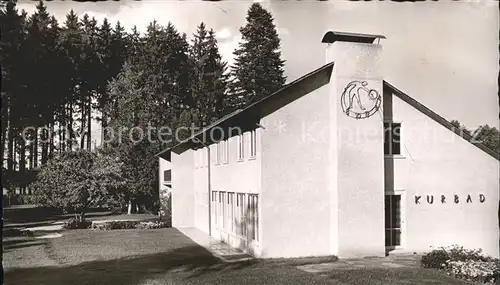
{"x":250,"y":142}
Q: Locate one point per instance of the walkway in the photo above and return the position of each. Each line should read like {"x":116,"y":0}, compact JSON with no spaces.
{"x":219,"y":249}
{"x":391,"y":261}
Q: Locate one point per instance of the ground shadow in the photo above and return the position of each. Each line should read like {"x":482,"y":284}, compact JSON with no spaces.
{"x":191,"y":261}
{"x":20,"y":243}
{"x":40,"y":216}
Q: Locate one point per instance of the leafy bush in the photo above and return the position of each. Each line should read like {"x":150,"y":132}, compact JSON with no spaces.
{"x":76,"y":223}
{"x":151,"y":225}
{"x":75,"y":181}
{"x":463,"y":263}
{"x":435,"y":259}
{"x":122,"y":225}
{"x":115,"y":225}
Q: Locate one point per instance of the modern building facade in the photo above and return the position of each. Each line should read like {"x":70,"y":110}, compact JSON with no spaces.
{"x":338,"y":162}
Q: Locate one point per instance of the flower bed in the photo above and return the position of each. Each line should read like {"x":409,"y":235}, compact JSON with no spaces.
{"x":120,"y":225}
{"x":464,"y":263}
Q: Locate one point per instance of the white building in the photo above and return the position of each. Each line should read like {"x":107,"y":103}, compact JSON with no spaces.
{"x":338,"y":162}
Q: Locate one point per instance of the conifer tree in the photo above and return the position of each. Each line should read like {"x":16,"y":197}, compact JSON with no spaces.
{"x":208,"y":78}
{"x":258,"y":68}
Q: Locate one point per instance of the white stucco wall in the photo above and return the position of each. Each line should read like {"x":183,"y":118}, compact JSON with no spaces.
{"x":238,"y":176}
{"x":295,"y":186}
{"x":357,"y":157}
{"x":183,"y":189}
{"x":438,"y":162}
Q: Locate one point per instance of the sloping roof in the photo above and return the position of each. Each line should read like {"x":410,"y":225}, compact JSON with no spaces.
{"x":333,"y":36}
{"x":246,"y":112}
{"x":442,"y":121}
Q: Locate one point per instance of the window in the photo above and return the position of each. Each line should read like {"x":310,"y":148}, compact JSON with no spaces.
{"x":241,"y":147}
{"x":240,"y":212}
{"x":222,"y":210}
{"x":230,"y":212}
{"x":253,"y":210}
{"x":392,"y":138}
{"x":167,"y":176}
{"x":214,"y":207}
{"x":392,"y":220}
{"x":253,"y":143}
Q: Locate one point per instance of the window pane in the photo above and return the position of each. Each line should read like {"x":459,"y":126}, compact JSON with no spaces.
{"x":387,"y":237}
{"x":167,"y":175}
{"x":256,"y":217}
{"x":396,"y":138}
{"x":395,"y":237}
{"x":396,"y":211}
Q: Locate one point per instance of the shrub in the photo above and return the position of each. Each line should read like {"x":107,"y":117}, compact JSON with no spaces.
{"x":435,"y":259}
{"x":463,"y":263}
{"x":115,"y":225}
{"x":122,"y":225}
{"x":151,"y":225}
{"x":75,"y":223}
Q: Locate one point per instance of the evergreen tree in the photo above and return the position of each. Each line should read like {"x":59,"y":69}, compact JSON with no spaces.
{"x":133,"y":109}
{"x":104,"y":49}
{"x":72,"y":44}
{"x":258,"y":68}
{"x":13,"y":61}
{"x":90,"y":76}
{"x":489,"y":136}
{"x":42,"y":42}
{"x":208,"y":79}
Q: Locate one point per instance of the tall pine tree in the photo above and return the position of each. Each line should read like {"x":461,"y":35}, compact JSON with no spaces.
{"x":208,"y":79}
{"x":258,"y":68}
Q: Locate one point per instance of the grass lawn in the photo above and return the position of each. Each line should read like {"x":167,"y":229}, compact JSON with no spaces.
{"x":165,"y":256}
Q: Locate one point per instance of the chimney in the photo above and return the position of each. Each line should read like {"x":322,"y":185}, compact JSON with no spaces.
{"x":356,"y":143}
{"x":355,"y":55}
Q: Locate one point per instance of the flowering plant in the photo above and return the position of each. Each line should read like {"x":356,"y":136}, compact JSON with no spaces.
{"x":469,"y":264}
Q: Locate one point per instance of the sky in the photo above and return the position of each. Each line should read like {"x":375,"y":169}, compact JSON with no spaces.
{"x":444,"y":54}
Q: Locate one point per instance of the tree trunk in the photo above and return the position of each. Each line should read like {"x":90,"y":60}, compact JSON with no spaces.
{"x":45,"y":144}
{"x":22,"y":164}
{"x":104,"y":125}
{"x":81,"y":217}
{"x":10,"y":148}
{"x":5,"y":124}
{"x":89,"y":123}
{"x":83,"y":120}
{"x":51,"y":140}
{"x":70,"y":128}
{"x":132,"y":207}
{"x":31,"y":149}
{"x":35,"y":149}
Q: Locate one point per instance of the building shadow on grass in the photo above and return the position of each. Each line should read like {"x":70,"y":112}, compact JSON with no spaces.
{"x":16,"y":244}
{"x":187,"y":262}
{"x":41,"y":216}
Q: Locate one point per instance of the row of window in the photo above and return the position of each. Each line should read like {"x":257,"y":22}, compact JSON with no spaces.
{"x":392,"y":146}
{"x":236,"y":213}
{"x":222,"y":150}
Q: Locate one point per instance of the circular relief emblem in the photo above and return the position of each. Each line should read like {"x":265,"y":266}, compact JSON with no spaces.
{"x":358,"y":101}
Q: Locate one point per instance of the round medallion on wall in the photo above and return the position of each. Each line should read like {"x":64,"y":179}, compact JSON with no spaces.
{"x":359,"y":101}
